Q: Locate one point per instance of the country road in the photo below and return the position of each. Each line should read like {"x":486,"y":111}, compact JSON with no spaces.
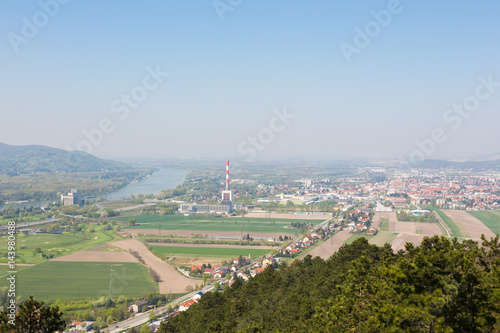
{"x":144,"y":317}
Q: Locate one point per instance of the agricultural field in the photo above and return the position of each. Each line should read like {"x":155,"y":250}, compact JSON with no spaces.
{"x":236,"y":225}
{"x":55,"y":244}
{"x":456,"y":230}
{"x":331,"y":245}
{"x":5,"y":268}
{"x":83,"y":280}
{"x":491,"y":219}
{"x":27,"y":218}
{"x":351,"y":239}
{"x":473,"y":227}
{"x":379,"y":239}
{"x":384,"y":224}
{"x":399,"y":242}
{"x":170,"y":279}
{"x":227,"y":253}
{"x":382,"y":237}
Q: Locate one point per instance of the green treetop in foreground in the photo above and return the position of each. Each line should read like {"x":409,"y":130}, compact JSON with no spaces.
{"x":440,"y":286}
{"x":33,"y":317}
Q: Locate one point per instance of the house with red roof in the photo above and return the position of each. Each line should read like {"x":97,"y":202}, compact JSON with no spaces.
{"x":186,"y":305}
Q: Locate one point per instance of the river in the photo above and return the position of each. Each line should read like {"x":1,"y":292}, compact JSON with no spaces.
{"x":163,"y":179}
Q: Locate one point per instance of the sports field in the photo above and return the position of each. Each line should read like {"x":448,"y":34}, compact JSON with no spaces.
{"x":490,"y":218}
{"x":82,"y":280}
{"x":210,"y":223}
{"x":207,"y":251}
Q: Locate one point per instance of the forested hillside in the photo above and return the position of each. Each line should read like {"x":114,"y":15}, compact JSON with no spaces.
{"x":16,"y":160}
{"x":441,"y":286}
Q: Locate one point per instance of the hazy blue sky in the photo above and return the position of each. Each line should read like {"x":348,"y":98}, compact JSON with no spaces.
{"x":65,"y":68}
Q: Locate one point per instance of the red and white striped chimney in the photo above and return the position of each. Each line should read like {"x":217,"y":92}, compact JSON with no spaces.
{"x":227,"y":175}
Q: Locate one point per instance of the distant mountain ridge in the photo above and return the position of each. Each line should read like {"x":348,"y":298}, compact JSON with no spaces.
{"x":441,"y":164}
{"x":36,"y":158}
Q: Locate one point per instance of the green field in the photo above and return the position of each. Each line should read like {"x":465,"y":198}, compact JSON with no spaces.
{"x":82,"y":280}
{"x":496,"y":212}
{"x":379,"y":239}
{"x":351,"y":239}
{"x":382,"y":237}
{"x":54,"y":244}
{"x":5,"y":268}
{"x":384,"y":224}
{"x":32,"y":218}
{"x":210,"y":223}
{"x":490,"y":219}
{"x":207,"y":251}
{"x":455,"y":230}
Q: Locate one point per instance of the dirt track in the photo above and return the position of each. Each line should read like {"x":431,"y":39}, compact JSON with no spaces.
{"x":470,"y":224}
{"x":100,"y":256}
{"x":331,"y":245}
{"x":171,"y":280}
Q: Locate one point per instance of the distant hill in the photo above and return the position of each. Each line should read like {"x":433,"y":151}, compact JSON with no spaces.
{"x":440,"y":164}
{"x":35,"y":158}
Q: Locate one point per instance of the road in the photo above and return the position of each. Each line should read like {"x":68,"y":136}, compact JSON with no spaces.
{"x":144,"y":317}
{"x":28,"y":224}
{"x":136,"y":206}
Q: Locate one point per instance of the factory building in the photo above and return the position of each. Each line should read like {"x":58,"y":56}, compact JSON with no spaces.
{"x":225,"y":207}
{"x":72,"y":198}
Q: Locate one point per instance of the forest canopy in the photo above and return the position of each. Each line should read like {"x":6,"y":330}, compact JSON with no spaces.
{"x":442,"y":285}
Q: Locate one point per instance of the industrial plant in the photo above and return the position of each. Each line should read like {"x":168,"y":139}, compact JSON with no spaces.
{"x":225,"y":207}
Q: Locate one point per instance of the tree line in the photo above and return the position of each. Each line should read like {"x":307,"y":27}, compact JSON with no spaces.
{"x":442,"y":285}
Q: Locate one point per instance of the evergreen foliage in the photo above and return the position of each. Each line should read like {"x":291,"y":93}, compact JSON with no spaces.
{"x":442,"y":285}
